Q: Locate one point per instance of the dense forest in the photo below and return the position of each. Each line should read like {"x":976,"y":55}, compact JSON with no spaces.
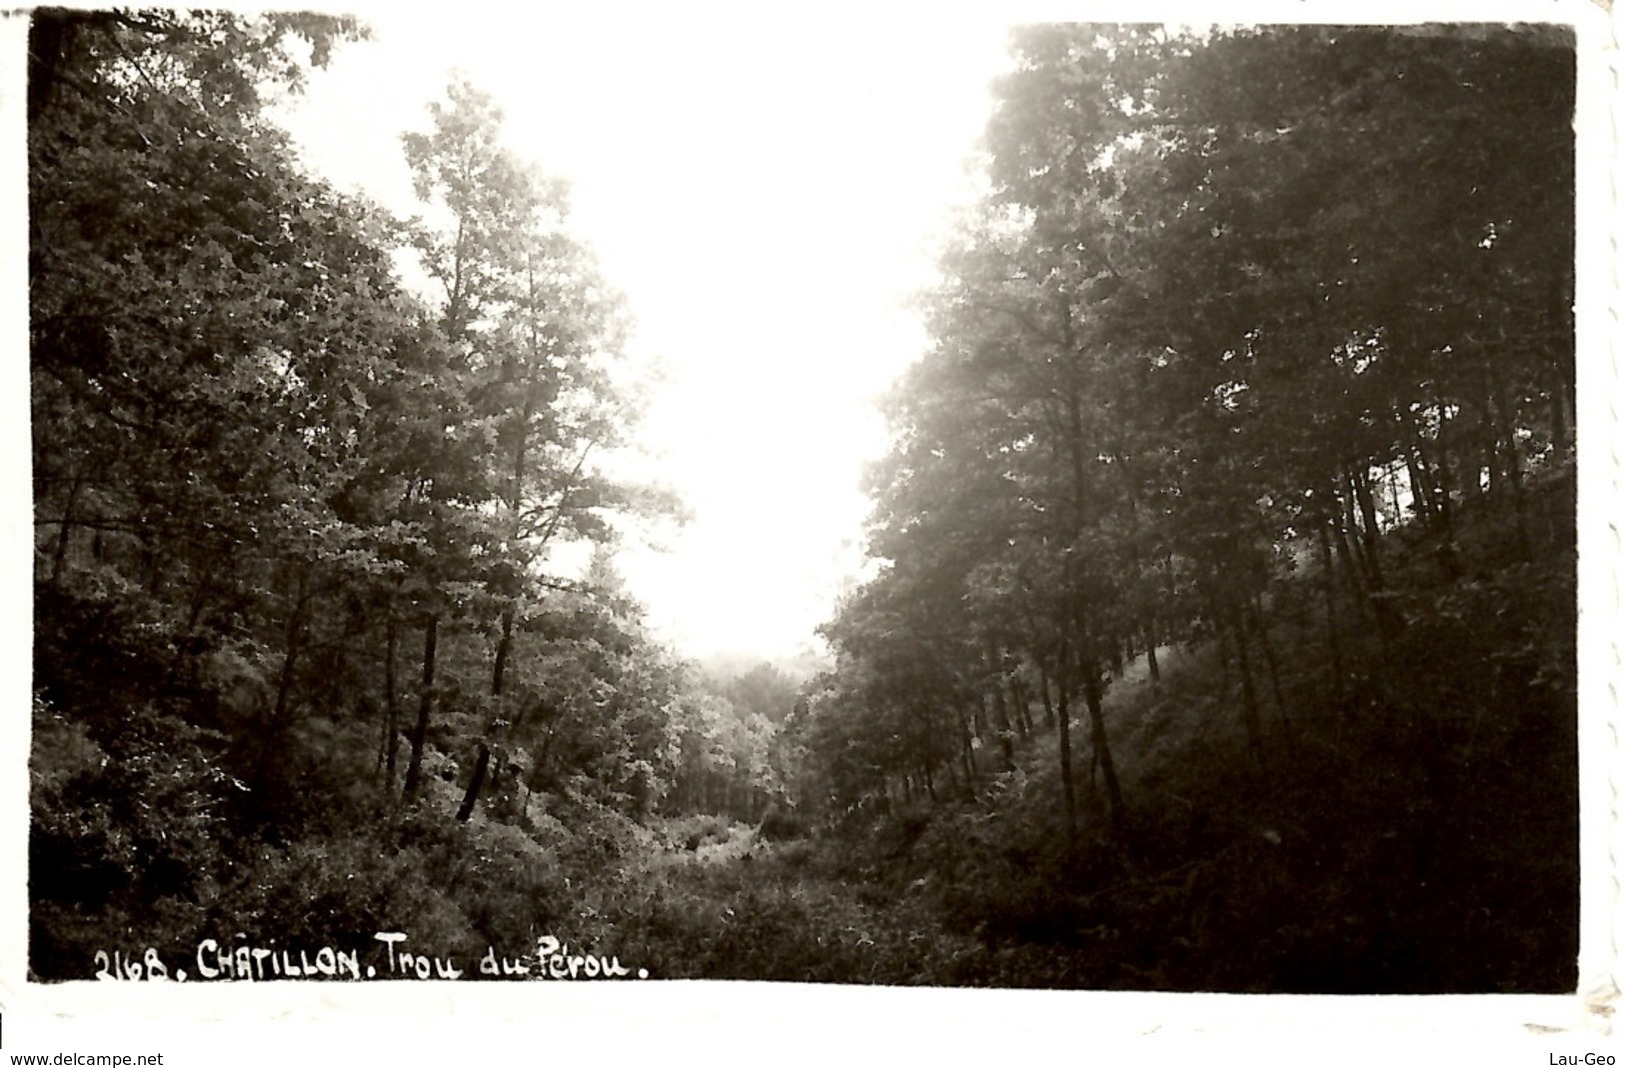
{"x":1222,"y":635}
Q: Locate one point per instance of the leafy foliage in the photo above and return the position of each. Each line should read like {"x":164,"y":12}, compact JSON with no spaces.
{"x":1245,"y":441}
{"x":1240,"y":339}
{"x":263,"y":467}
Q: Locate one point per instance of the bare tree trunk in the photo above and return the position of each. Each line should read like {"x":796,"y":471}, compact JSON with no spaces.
{"x":293,"y":644}
{"x":1468,"y":449}
{"x":1001,"y":713}
{"x":499,"y":663}
{"x":1507,"y":444}
{"x":1422,"y":500}
{"x":482,"y":759}
{"x":1361,"y":488}
{"x":1043,"y":688}
{"x":967,"y":753}
{"x":1230,"y":633}
{"x":1490,"y":443}
{"x":1263,"y":633}
{"x":1019,"y":700}
{"x":1350,"y":568}
{"x":1064,"y":718}
{"x":1329,"y":588}
{"x":1435,"y":460}
{"x":481,"y":764}
{"x":420,"y":732}
{"x":391,"y":701}
{"x":1102,"y":750}
{"x":59,"y":558}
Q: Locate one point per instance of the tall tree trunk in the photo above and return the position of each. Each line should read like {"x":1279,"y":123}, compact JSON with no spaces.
{"x":1436,"y":462}
{"x":1064,"y":718}
{"x":1421,"y":491}
{"x":1257,"y":618}
{"x":481,"y":764}
{"x":1392,"y":476}
{"x":1437,"y":480}
{"x":545,"y":753}
{"x":1468,"y":449}
{"x":520,"y":430}
{"x":1019,"y":701}
{"x":1349,"y":567}
{"x":420,"y":731}
{"x":284,"y":684}
{"x":1151,"y":664}
{"x":1328,"y":584}
{"x":967,"y":751}
{"x":953,"y":767}
{"x":293,"y":641}
{"x":1043,"y":688}
{"x":391,"y":701}
{"x":1001,"y":711}
{"x":1005,"y":727}
{"x":1489,"y":443}
{"x":1435,"y":476}
{"x":64,"y":526}
{"x":1377,"y":585}
{"x":1360,"y":485}
{"x":1230,"y":634}
{"x":1102,"y":750}
{"x":499,"y":663}
{"x":482,"y":758}
{"x":1507,"y":440}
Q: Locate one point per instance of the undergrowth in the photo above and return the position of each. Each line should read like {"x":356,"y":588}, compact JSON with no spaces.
{"x":1412,"y":829}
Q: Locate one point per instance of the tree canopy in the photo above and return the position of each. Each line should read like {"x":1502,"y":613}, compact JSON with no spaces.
{"x":291,"y":511}
{"x":1233,"y":297}
{"x":1221,"y":630}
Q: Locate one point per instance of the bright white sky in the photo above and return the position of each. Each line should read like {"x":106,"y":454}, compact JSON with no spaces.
{"x":766,"y":188}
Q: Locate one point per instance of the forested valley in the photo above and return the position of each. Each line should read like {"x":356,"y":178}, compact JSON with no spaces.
{"x":1223,"y":635}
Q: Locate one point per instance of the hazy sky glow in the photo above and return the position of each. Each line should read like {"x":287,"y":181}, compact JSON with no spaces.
{"x":766,"y":191}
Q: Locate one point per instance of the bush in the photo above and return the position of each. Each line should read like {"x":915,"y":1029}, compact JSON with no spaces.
{"x":127,"y":837}
{"x":690,"y":833}
{"x":340,"y":891}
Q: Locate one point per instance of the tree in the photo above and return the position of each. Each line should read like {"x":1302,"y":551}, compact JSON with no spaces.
{"x":1231,"y":291}
{"x":533,"y":333}
{"x":207,"y":327}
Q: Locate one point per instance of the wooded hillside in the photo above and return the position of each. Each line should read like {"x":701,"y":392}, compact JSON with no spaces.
{"x":1225,"y":631}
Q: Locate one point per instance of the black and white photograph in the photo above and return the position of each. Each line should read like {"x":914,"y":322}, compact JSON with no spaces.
{"x":733,"y":504}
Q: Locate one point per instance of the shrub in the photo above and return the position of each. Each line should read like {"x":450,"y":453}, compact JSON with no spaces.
{"x":116,"y":828}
